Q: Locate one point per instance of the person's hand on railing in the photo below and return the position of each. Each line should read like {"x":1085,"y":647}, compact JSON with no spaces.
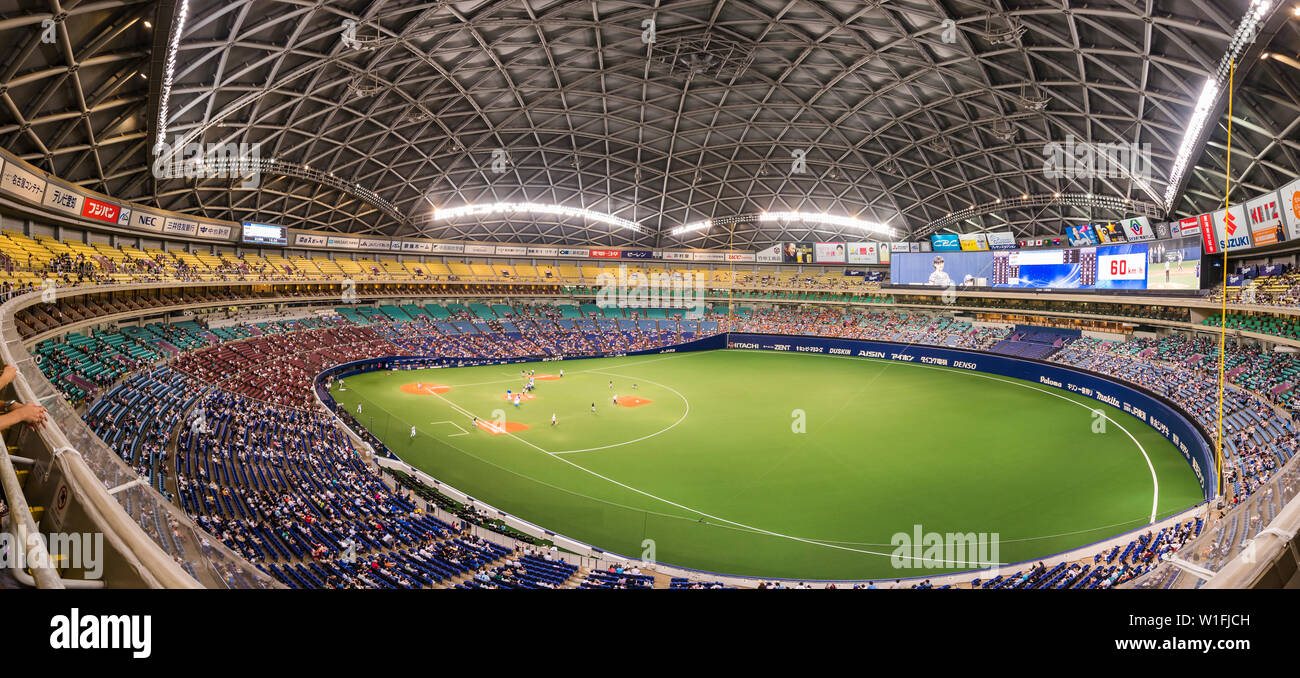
{"x":15,"y":412}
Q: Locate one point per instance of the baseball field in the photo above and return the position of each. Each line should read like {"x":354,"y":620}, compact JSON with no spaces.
{"x":781,"y":465}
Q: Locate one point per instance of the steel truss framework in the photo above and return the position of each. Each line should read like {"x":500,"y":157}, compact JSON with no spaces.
{"x":902,"y":111}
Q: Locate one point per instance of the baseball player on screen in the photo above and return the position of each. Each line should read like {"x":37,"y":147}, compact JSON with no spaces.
{"x":939,"y":278}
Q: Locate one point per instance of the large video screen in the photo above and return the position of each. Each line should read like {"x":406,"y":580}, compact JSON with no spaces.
{"x":264,"y":234}
{"x":1174,"y":264}
{"x":1156,"y":265}
{"x":1067,"y":269}
{"x":942,"y":269}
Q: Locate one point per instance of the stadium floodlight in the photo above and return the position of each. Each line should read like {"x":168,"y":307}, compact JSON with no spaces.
{"x":817,"y":218}
{"x":453,"y":213}
{"x":694,"y":226}
{"x":1209,"y":94}
{"x":1244,"y":36}
{"x":169,"y":69}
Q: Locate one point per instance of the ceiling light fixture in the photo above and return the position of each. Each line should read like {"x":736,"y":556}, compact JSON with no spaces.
{"x":694,"y":226}
{"x":169,"y":70}
{"x":535,"y":208}
{"x":1210,"y":92}
{"x":810,"y":218}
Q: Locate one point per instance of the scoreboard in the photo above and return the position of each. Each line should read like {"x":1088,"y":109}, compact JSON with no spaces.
{"x":1158,"y":264}
{"x":1072,"y":268}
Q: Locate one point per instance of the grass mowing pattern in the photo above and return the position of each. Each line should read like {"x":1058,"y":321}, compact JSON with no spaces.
{"x":711,"y":471}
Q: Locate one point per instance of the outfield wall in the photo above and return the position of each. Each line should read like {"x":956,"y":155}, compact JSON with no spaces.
{"x":1154,"y":410}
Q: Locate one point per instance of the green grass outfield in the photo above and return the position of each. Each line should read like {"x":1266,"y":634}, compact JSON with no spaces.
{"x":712,"y":472}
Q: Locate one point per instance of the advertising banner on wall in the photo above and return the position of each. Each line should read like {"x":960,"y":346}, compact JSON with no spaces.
{"x":15,"y":180}
{"x":416,"y":247}
{"x":686,"y":256}
{"x":1197,"y":225}
{"x":884,"y":253}
{"x":178,"y":226}
{"x":573,"y":253}
{"x":735,"y":257}
{"x":512,"y":251}
{"x":603,"y":254}
{"x":637,"y":254}
{"x":100,"y":211}
{"x":1202,"y":226}
{"x":1288,"y":199}
{"x":863,"y":253}
{"x":770,"y":255}
{"x":973,"y":242}
{"x":797,"y":252}
{"x":1002,"y":240}
{"x":706,"y":256}
{"x":1137,"y":229}
{"x":309,"y":240}
{"x":1265,"y":220}
{"x":543,"y":252}
{"x":148,"y":221}
{"x":372,"y":244}
{"x":479,"y":249}
{"x":1082,"y":235}
{"x":63,"y":199}
{"x":213,"y":231}
{"x":447,"y":248}
{"x":829,"y":253}
{"x":1109,"y":232}
{"x":1231,"y":228}
{"x":342,"y":243}
{"x":945,"y":242}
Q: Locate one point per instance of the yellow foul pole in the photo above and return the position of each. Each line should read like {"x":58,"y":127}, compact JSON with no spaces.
{"x":1223,"y":313}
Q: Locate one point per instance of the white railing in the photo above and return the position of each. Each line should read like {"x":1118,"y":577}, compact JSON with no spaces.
{"x":1238,"y":550}
{"x":159,"y":544}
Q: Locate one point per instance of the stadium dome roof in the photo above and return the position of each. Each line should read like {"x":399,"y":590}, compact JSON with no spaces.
{"x":367,"y":115}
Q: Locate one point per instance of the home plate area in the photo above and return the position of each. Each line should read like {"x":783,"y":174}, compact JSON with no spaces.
{"x":499,"y":429}
{"x":424,"y":389}
{"x":633,"y":401}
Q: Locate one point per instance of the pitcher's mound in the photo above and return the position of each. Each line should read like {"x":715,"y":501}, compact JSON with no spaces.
{"x":424,"y":389}
{"x":631,"y":401}
{"x":507,"y":427}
